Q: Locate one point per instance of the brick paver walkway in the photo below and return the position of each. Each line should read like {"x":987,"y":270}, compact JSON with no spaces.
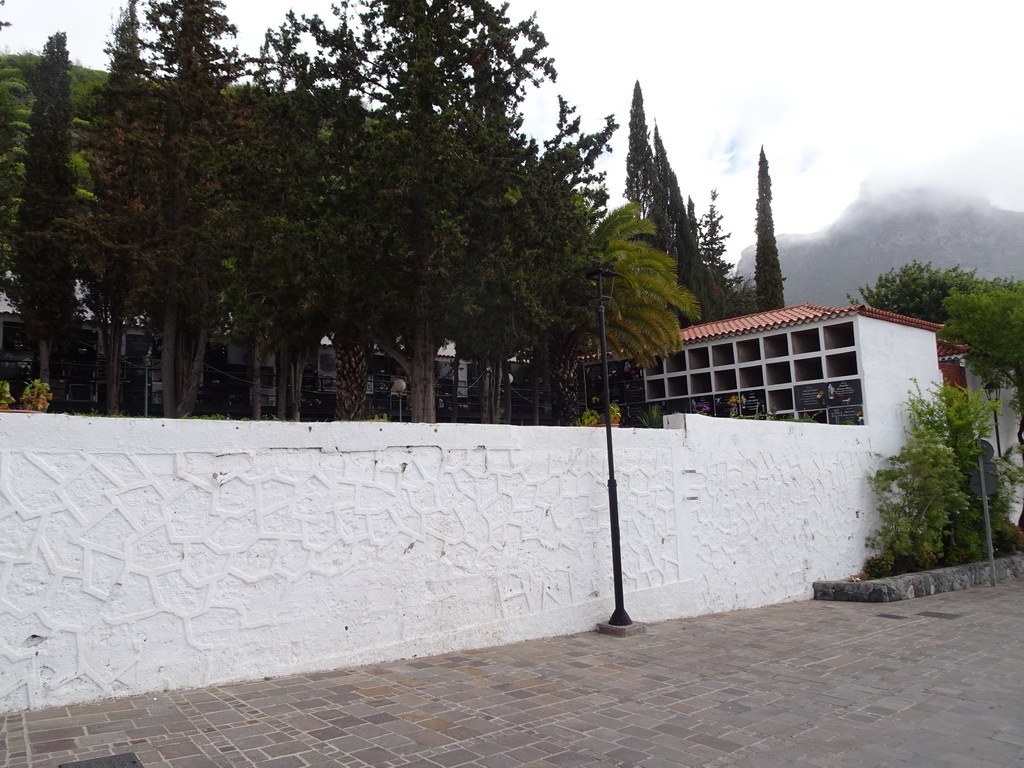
{"x":936,"y":682}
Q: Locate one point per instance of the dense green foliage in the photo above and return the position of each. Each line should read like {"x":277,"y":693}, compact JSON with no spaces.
{"x":370,"y":180}
{"x":929,"y":515}
{"x":919,"y":290}
{"x":767,"y":270}
{"x":990,"y":320}
{"x":41,"y":278}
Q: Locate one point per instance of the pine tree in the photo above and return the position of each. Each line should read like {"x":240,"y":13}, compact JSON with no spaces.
{"x":711,"y":243}
{"x":639,"y":158}
{"x":675,"y":228}
{"x":767,"y":270}
{"x":115,"y":238}
{"x":42,"y":280}
{"x":193,"y":71}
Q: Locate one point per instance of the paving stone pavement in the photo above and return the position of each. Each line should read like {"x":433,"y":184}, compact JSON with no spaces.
{"x":936,"y":682}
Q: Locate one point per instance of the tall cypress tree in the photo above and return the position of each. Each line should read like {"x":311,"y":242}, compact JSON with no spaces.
{"x":193,"y":70}
{"x":116,"y":236}
{"x":767,"y":270}
{"x":675,"y":226}
{"x":639,"y":158}
{"x":42,"y":282}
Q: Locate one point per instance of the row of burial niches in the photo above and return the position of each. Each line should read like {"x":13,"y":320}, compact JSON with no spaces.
{"x":810,"y":369}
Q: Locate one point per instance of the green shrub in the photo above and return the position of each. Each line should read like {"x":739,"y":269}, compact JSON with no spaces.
{"x":879,"y":566}
{"x":918,"y":493}
{"x":652,"y":417}
{"x":1007,"y":538}
{"x":930,"y":515}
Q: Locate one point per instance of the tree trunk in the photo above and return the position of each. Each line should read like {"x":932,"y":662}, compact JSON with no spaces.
{"x":565,"y":384}
{"x":535,"y":365}
{"x":422,"y":377}
{"x":255,"y":380}
{"x":422,"y":369}
{"x":112,"y":332}
{"x":351,"y":372}
{"x":168,"y":353}
{"x":283,"y":361}
{"x":488,"y":388}
{"x":45,"y":345}
{"x":296,"y":369}
{"x":195,"y":354}
{"x":508,"y":396}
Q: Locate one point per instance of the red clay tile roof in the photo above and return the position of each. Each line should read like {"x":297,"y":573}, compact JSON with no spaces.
{"x":948,"y":349}
{"x":797,"y":315}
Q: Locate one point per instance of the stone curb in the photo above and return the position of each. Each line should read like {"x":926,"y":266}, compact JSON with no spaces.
{"x":912,"y":585}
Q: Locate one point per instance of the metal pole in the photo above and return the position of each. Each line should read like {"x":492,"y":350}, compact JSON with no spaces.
{"x":995,"y":418}
{"x":619,"y":617}
{"x":988,"y":523}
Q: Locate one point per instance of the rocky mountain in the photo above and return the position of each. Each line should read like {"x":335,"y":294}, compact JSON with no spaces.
{"x":882,"y":231}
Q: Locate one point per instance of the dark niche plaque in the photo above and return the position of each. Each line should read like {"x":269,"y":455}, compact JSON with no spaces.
{"x":843,"y":393}
{"x":846,"y":414}
{"x":809,"y":397}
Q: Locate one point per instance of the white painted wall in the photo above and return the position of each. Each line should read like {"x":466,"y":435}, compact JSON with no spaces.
{"x":893,"y":356}
{"x":140,"y":555}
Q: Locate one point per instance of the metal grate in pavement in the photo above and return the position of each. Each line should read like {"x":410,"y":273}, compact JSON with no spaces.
{"x":937,"y":615}
{"x":127,"y":760}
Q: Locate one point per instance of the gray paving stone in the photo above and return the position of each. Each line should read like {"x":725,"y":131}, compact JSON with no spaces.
{"x":804,"y":685}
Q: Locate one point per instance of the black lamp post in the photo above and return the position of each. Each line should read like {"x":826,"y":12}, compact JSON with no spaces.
{"x":619,"y":617}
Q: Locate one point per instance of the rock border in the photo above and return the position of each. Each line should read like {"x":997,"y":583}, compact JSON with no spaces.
{"x":911,"y":585}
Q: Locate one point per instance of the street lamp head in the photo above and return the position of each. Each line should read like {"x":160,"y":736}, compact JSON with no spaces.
{"x":601,"y":271}
{"x":992,"y":391}
{"x":399,"y":386}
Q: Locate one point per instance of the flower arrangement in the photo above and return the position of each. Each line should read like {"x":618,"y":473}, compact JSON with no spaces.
{"x":701,"y":409}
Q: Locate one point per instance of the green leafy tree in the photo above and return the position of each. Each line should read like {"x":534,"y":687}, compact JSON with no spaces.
{"x":919,"y":492}
{"x":930,"y":516}
{"x":918,"y":290}
{"x":566,"y":191}
{"x":42,"y":275}
{"x":449,"y":81}
{"x":711,"y":239}
{"x":990,"y":321}
{"x":675,"y":227}
{"x":193,"y":71}
{"x":767,"y":270}
{"x":14,"y":114}
{"x":115,"y":236}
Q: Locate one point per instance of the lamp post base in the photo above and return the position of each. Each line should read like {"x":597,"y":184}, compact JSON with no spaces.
{"x":616,"y":630}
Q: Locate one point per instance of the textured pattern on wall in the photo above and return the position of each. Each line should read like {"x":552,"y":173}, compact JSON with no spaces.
{"x":129,"y":570}
{"x":147,"y":555}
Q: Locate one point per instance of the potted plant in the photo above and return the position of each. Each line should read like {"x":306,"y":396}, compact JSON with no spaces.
{"x":6,"y":399}
{"x":615,"y":412}
{"x":589,"y":418}
{"x":36,"y":396}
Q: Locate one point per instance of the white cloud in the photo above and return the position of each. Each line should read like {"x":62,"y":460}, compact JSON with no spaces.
{"x":917,"y":91}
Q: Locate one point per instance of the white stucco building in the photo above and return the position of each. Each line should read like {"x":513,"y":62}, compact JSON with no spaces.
{"x":849,"y":365}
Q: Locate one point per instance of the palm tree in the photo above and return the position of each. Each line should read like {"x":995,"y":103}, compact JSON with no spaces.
{"x":646,"y":300}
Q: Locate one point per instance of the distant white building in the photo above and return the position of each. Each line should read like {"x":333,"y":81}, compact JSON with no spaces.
{"x":849,"y":365}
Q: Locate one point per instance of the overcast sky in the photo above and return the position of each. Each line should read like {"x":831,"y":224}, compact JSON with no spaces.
{"x":842,"y":96}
